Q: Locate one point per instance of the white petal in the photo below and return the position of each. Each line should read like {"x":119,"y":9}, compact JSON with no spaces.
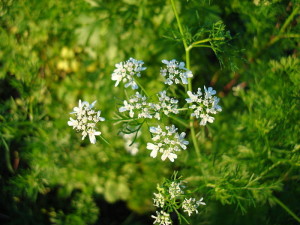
{"x":92,"y":138}
{"x":97,"y":133}
{"x":153,"y":130}
{"x":93,"y":104}
{"x":151,"y":146}
{"x":164,"y":61}
{"x":181,"y":65}
{"x":188,"y":100}
{"x":153,"y":154}
{"x":172,"y":156}
{"x":122,"y":109}
{"x":184,"y":80}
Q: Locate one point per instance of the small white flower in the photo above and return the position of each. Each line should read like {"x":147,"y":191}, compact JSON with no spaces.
{"x":168,"y":154}
{"x":166,"y":105}
{"x":92,"y":133}
{"x":125,"y":72}
{"x":162,"y":218}
{"x":209,"y":92}
{"x":238,"y":89}
{"x":86,"y":119}
{"x":200,"y":202}
{"x":204,"y":105}
{"x":190,"y":205}
{"x":175,"y":72}
{"x":166,"y":141}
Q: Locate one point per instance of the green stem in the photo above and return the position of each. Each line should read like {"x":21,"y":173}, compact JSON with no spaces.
{"x":190,"y":88}
{"x":183,"y":109}
{"x":180,"y":216}
{"x":105,"y":140}
{"x":122,"y":120}
{"x":143,"y":89}
{"x":179,"y":24}
{"x":201,"y":46}
{"x":188,"y":66}
{"x":289,"y":36}
{"x":183,"y":123}
{"x":286,"y":209}
{"x":7,"y":156}
{"x":289,"y":19}
{"x":208,"y":40}
{"x":284,"y":26}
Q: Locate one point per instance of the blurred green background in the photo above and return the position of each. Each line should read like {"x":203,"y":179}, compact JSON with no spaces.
{"x":53,"y":53}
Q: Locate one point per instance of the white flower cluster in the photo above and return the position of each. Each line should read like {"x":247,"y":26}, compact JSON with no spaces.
{"x":175,"y":189}
{"x":162,"y":218}
{"x":167,"y":142}
{"x":204,"y":105}
{"x":125,"y":72}
{"x":172,"y":193}
{"x":166,"y":105}
{"x":137,"y":104}
{"x":130,"y":147}
{"x":86,"y":119}
{"x":175,"y":72}
{"x":190,"y":205}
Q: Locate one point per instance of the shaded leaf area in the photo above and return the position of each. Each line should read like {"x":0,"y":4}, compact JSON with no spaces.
{"x":53,"y":53}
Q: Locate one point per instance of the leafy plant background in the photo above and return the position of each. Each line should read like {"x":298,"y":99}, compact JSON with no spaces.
{"x":53,"y":53}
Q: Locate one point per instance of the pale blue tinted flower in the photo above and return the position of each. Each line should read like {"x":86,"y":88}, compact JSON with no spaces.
{"x":175,"y":72}
{"x":125,"y":72}
{"x":203,"y":105}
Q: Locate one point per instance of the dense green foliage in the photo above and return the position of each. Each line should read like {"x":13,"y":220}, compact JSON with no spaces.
{"x":53,"y":53}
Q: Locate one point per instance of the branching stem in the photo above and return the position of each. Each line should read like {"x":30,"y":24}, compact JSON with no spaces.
{"x":187,"y":60}
{"x":208,"y":40}
{"x":284,"y":26}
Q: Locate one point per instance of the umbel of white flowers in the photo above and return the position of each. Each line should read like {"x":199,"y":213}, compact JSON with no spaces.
{"x":86,"y":120}
{"x":166,"y":141}
{"x":139,"y":106}
{"x":175,"y":72}
{"x":204,"y":104}
{"x":190,"y":205}
{"x":125,"y":72}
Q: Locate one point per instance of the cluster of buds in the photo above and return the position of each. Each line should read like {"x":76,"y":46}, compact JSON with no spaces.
{"x":170,"y":197}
